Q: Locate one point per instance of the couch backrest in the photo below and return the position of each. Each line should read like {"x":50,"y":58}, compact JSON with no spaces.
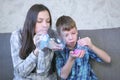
{"x":107,"y":39}
{"x":6,"y":69}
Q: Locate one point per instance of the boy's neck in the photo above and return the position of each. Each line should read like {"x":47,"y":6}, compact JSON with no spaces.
{"x":72,"y":48}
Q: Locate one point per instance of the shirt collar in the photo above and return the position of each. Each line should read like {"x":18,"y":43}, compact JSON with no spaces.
{"x":66,"y":48}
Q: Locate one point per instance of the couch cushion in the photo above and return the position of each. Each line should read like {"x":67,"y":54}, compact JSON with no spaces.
{"x":6,"y":68}
{"x":108,"y":40}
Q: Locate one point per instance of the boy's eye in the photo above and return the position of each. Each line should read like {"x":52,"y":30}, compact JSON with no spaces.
{"x":66,"y":35}
{"x":73,"y":33}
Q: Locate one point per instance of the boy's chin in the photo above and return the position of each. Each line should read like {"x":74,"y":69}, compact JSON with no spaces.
{"x":71,"y":45}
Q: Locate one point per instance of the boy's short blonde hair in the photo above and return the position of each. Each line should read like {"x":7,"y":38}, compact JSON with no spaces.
{"x":65,"y":23}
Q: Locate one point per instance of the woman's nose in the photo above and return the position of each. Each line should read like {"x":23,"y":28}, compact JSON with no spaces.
{"x":45,"y":24}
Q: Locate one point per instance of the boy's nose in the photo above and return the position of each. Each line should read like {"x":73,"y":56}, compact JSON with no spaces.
{"x":70,"y":37}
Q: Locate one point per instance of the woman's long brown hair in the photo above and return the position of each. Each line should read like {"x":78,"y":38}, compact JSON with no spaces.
{"x":28,"y":32}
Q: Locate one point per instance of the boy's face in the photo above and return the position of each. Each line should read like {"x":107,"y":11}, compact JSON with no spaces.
{"x":69,"y":37}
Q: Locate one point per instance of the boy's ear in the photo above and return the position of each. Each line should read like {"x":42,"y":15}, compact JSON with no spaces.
{"x":77,"y":34}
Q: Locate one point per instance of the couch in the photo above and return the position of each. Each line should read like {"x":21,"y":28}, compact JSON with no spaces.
{"x":106,"y":39}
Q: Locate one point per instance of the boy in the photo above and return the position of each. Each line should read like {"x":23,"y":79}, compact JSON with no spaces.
{"x":71,"y":65}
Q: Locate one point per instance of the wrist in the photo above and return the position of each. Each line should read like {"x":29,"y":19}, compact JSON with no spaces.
{"x":71,"y":58}
{"x":92,"y":47}
{"x":36,"y":52}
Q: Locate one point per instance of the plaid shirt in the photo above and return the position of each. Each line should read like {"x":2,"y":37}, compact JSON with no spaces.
{"x":81,"y":69}
{"x":23,"y":68}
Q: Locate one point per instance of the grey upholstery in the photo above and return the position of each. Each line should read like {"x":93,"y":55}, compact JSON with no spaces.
{"x":6,"y":68}
{"x":106,"y":39}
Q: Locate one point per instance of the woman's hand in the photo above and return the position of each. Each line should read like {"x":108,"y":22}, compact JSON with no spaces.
{"x":41,"y":40}
{"x":36,"y":52}
{"x":37,"y":39}
{"x":54,"y":46}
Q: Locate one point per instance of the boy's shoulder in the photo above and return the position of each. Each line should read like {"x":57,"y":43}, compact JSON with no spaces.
{"x":60,"y":53}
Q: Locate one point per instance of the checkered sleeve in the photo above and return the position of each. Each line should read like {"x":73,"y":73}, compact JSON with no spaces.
{"x":94,"y":56}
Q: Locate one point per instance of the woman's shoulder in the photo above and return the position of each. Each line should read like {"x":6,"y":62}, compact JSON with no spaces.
{"x":16,"y":31}
{"x":16,"y":34}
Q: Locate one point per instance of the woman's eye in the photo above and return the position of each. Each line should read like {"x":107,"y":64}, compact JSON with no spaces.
{"x":48,"y":21}
{"x":39,"y":21}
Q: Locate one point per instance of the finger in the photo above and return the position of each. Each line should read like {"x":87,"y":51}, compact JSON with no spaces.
{"x":79,"y":54}
{"x":56,"y":48}
{"x":81,"y":42}
{"x":40,"y":33}
{"x":82,"y":53}
{"x":36,"y":39}
{"x":56,"y":44}
{"x":72,"y":54}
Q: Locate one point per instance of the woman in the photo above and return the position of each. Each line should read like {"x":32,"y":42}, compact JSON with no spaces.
{"x":23,"y":47}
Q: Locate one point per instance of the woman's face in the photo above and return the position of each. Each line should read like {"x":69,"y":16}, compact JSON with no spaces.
{"x":43,"y":22}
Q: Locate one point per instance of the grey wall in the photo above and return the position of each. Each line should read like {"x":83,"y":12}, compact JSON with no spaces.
{"x":88,"y":14}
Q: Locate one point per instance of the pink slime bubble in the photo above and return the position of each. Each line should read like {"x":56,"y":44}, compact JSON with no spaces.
{"x":76,"y":51}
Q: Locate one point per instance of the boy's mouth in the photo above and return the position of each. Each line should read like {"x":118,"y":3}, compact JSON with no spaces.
{"x":72,"y":44}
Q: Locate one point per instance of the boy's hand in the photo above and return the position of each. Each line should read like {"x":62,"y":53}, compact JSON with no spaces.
{"x":85,"y":42}
{"x":77,"y":53}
